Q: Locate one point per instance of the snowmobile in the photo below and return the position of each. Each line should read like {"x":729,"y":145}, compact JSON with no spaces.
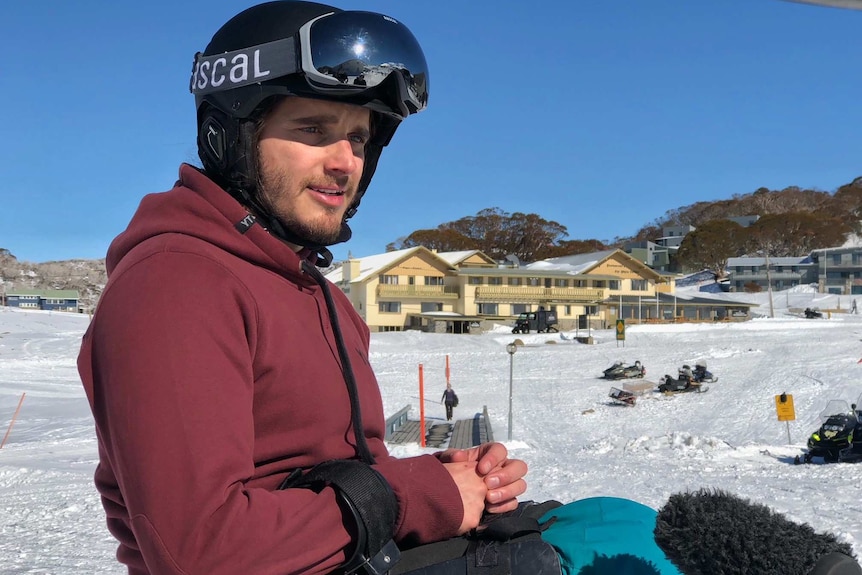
{"x":701,"y":374}
{"x":621,"y":371}
{"x":683,"y":383}
{"x":812,"y":313}
{"x":853,"y":454}
{"x":839,"y":421}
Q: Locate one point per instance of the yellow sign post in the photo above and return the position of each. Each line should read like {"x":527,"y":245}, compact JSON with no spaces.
{"x":785,"y":411}
{"x":621,"y":331}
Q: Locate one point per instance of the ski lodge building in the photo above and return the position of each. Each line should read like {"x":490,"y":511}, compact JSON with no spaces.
{"x":467,"y":291}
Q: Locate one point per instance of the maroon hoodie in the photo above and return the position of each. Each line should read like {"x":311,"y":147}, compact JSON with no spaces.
{"x":212,"y":372}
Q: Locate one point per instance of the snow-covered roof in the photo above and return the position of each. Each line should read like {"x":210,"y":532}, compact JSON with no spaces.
{"x":370,"y":265}
{"x":575,"y":264}
{"x":453,"y":258}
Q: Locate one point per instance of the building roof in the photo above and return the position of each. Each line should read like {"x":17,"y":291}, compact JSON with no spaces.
{"x":761,"y":261}
{"x":579,"y":264}
{"x":45,"y":293}
{"x":574,"y":264}
{"x":370,"y":266}
{"x":455,"y":258}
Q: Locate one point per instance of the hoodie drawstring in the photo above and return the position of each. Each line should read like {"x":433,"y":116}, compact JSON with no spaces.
{"x":362,"y":450}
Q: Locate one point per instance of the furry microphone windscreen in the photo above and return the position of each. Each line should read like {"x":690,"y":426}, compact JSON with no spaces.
{"x":712,"y":532}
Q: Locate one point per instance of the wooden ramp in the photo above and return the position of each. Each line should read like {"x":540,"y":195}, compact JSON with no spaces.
{"x":458,"y":434}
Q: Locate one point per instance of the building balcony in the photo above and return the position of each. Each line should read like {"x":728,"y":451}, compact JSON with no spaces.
{"x":496,"y":294}
{"x":418,"y":292}
{"x":761,"y":276}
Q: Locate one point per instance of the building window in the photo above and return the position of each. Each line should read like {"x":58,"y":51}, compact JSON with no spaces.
{"x":591,"y":309}
{"x":519,"y":308}
{"x":433,"y":280}
{"x":514,"y":281}
{"x":495,"y":281}
{"x":388,"y":280}
{"x":561,"y":283}
{"x":600,"y":284}
{"x":411,"y":280}
{"x":568,"y":310}
{"x":389,"y":307}
{"x":534,"y":282}
{"x":486,"y":308}
{"x":614,"y":285}
{"x":639,"y":285}
{"x":475,"y":280}
{"x":429,"y":306}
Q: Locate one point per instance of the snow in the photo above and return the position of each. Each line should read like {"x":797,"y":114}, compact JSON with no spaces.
{"x":578,"y":443}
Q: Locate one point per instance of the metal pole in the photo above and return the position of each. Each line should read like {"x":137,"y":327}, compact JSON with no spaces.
{"x":511,"y":371}
{"x":769,"y":284}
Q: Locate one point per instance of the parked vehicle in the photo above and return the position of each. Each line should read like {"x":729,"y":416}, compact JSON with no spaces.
{"x":835,"y":434}
{"x":683,"y":383}
{"x":538,"y":321}
{"x":701,"y":374}
{"x":620,"y":370}
{"x":812,"y":313}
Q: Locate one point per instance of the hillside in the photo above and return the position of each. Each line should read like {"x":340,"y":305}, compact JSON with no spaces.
{"x":842,"y":209}
{"x":86,"y":276}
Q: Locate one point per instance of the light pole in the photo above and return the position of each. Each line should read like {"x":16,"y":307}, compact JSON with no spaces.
{"x":511,"y":349}
{"x":769,"y":283}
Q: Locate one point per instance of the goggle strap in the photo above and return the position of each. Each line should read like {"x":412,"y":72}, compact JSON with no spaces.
{"x":243,"y":67}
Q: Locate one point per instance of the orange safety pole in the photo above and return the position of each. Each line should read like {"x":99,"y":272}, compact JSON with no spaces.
{"x":11,"y":423}
{"x":421,"y":407}
{"x":447,"y":370}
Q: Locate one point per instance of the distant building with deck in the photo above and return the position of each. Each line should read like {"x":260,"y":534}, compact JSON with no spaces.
{"x":48,"y":300}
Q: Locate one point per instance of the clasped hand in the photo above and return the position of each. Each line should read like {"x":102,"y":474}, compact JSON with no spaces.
{"x":486,"y":478}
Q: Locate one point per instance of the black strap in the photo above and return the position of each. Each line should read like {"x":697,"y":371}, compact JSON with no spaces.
{"x":371,"y":501}
{"x":362,"y":449}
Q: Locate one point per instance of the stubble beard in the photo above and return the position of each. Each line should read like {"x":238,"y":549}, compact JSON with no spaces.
{"x":273,"y":187}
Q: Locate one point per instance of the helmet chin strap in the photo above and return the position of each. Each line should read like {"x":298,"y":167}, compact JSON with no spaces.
{"x":237,"y":172}
{"x":274,"y":226}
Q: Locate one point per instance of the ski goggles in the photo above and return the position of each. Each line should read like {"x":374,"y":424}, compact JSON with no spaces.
{"x":342,"y":54}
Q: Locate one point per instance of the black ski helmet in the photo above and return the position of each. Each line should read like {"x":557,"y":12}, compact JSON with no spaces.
{"x":298,"y":48}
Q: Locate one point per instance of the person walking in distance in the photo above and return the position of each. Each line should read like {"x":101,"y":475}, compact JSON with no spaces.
{"x":450,"y":400}
{"x":243,"y":432}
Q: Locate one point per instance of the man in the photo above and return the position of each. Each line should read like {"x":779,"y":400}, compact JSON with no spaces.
{"x":239,"y":423}
{"x":450,"y":400}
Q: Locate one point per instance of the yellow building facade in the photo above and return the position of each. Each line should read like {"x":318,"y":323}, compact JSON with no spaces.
{"x":461,"y":292}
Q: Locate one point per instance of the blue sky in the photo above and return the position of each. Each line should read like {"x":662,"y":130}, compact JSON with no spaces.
{"x":599,"y":115}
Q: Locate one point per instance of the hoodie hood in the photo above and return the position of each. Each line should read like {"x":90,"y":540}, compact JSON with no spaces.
{"x":197,"y":207}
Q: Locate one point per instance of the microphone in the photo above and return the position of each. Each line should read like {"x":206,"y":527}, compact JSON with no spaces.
{"x":712,"y":532}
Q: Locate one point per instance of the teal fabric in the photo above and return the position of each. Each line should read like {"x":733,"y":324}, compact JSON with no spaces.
{"x":606,"y":535}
